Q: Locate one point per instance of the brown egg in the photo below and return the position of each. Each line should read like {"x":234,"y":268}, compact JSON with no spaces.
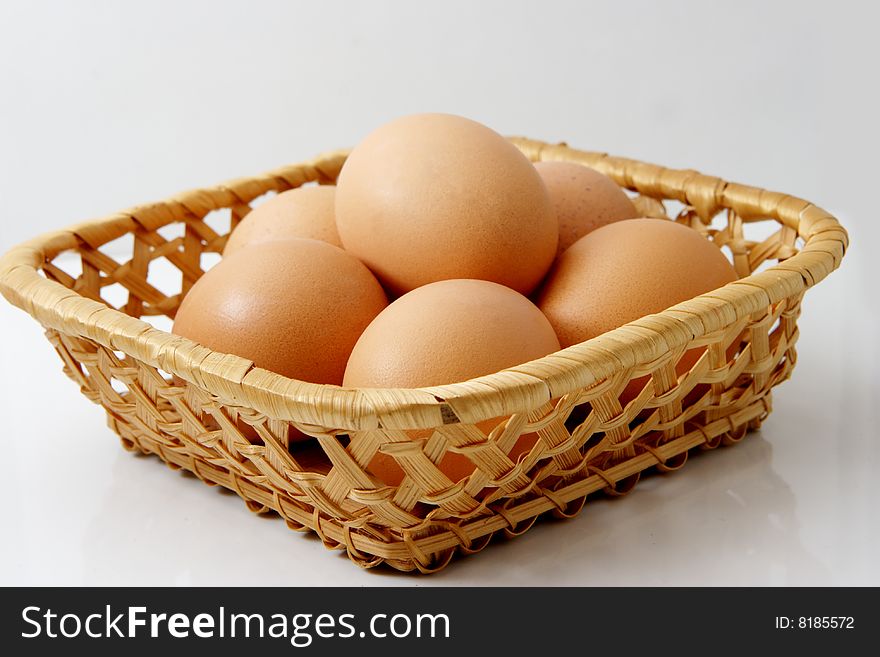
{"x":624,"y":271}
{"x":442,"y":333}
{"x":432,"y":197}
{"x":303,"y":212}
{"x":295,"y":307}
{"x":584,"y":199}
{"x":446,"y":332}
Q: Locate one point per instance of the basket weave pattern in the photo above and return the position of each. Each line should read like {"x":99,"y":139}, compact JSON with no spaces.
{"x":227,"y":422}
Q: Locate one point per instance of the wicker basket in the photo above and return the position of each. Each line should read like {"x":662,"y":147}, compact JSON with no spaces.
{"x":168,"y":396}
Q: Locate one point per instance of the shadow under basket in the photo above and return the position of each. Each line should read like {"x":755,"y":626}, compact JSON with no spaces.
{"x":602,"y":411}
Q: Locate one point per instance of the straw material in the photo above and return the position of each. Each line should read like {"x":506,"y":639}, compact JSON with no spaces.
{"x":168,"y":396}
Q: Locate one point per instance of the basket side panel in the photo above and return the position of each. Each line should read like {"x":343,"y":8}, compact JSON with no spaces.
{"x":597,"y":439}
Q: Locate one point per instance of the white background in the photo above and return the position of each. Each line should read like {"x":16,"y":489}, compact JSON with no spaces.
{"x":107,"y":104}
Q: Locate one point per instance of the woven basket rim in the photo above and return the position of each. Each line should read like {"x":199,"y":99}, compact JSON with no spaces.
{"x":236,"y":380}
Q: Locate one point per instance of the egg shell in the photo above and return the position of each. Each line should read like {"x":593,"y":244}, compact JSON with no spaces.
{"x":446,"y":332}
{"x":432,"y":197}
{"x":442,"y":333}
{"x":306,"y":212}
{"x":626,"y":270}
{"x":584,"y":200}
{"x":295,"y":307}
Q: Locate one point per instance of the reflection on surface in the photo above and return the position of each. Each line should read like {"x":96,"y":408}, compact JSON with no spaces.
{"x":725,"y":518}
